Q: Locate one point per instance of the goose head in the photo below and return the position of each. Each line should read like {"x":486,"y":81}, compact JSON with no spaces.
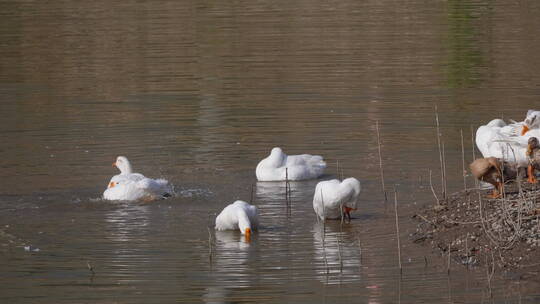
{"x":122,"y":163}
{"x":277,"y":157}
{"x":115,"y":181}
{"x":532,"y":121}
{"x":276,"y":151}
{"x":353,"y":185}
{"x":244,"y":226}
{"x":497,"y":122}
{"x":532,"y":145}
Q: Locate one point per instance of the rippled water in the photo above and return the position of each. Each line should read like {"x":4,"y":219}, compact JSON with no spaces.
{"x":198,"y":92}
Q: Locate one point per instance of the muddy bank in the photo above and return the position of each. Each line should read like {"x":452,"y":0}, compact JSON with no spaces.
{"x":501,"y":235}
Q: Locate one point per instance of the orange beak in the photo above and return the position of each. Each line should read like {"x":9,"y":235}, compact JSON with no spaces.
{"x":114,"y":164}
{"x":524,"y":130}
{"x":112,"y":184}
{"x":248,"y":235}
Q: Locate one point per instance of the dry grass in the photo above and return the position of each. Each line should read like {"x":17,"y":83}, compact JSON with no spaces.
{"x":475,"y":230}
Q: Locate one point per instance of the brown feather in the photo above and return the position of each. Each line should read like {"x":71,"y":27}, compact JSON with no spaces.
{"x":479,"y":167}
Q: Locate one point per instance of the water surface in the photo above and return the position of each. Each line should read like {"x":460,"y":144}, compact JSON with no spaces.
{"x":198,"y":93}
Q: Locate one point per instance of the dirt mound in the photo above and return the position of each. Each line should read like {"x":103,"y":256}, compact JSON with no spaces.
{"x":476,"y":231}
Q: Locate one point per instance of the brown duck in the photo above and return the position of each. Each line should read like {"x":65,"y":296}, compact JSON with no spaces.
{"x":494,"y":171}
{"x":533,"y":152}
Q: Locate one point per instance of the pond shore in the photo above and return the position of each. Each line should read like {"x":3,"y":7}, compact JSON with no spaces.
{"x":500,"y":235}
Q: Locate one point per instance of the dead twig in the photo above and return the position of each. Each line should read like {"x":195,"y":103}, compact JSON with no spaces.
{"x":210,"y":244}
{"x":432,"y":189}
{"x":90,"y":267}
{"x":449,"y":252}
{"x":463,"y":161}
{"x":440,"y":152}
{"x":444,"y":171}
{"x":380,"y":161}
{"x":397,"y":231}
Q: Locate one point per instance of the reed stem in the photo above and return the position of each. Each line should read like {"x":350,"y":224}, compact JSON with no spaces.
{"x":448,"y":266}
{"x":433,"y":189}
{"x":360,"y":246}
{"x":324,"y":214}
{"x":380,"y":161}
{"x":463,"y":161}
{"x":467,"y":250}
{"x":287,"y":189}
{"x":324,"y":235}
{"x":472,"y":143}
{"x":444,"y":172}
{"x":397,"y":231}
{"x":90,"y":267}
{"x":339,"y":254}
{"x":440,"y":151}
{"x":210,"y":247}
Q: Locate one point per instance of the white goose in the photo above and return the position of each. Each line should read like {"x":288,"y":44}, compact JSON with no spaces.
{"x":333,"y":198}
{"x":131,"y":186}
{"x":278,"y":166}
{"x":531,"y":123}
{"x":508,"y":142}
{"x":238,"y":215}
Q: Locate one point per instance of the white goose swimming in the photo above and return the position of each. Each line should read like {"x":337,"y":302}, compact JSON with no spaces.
{"x":131,"y":186}
{"x":279,"y":166}
{"x":238,"y":215}
{"x":333,"y":198}
{"x":508,"y":142}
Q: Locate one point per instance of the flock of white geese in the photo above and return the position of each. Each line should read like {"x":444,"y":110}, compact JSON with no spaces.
{"x":509,"y":151}
{"x":332,"y":199}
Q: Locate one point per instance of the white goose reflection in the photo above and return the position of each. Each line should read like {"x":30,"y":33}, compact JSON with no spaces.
{"x":337,"y":254}
{"x":274,"y":191}
{"x":272,"y":194}
{"x":216,"y":295}
{"x":230,"y":261}
{"x":230,"y":266}
{"x":128,"y":222}
{"x":128,"y":233}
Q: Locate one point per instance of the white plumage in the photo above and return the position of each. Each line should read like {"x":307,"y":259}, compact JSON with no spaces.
{"x":532,"y":121}
{"x":508,"y":141}
{"x":278,"y":166}
{"x":238,"y":215}
{"x":333,"y":196}
{"x":131,"y":186}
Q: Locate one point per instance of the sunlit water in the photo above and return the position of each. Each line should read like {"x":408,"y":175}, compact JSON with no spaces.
{"x":198,"y":93}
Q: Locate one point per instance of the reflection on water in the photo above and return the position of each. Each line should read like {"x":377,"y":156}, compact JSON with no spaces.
{"x":273,"y":191}
{"x":127,"y":222}
{"x":199,"y":92}
{"x":230,"y":260}
{"x":229,"y":265}
{"x":272,"y":200}
{"x":216,"y":295}
{"x":465,"y":63}
{"x":337,"y":253}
